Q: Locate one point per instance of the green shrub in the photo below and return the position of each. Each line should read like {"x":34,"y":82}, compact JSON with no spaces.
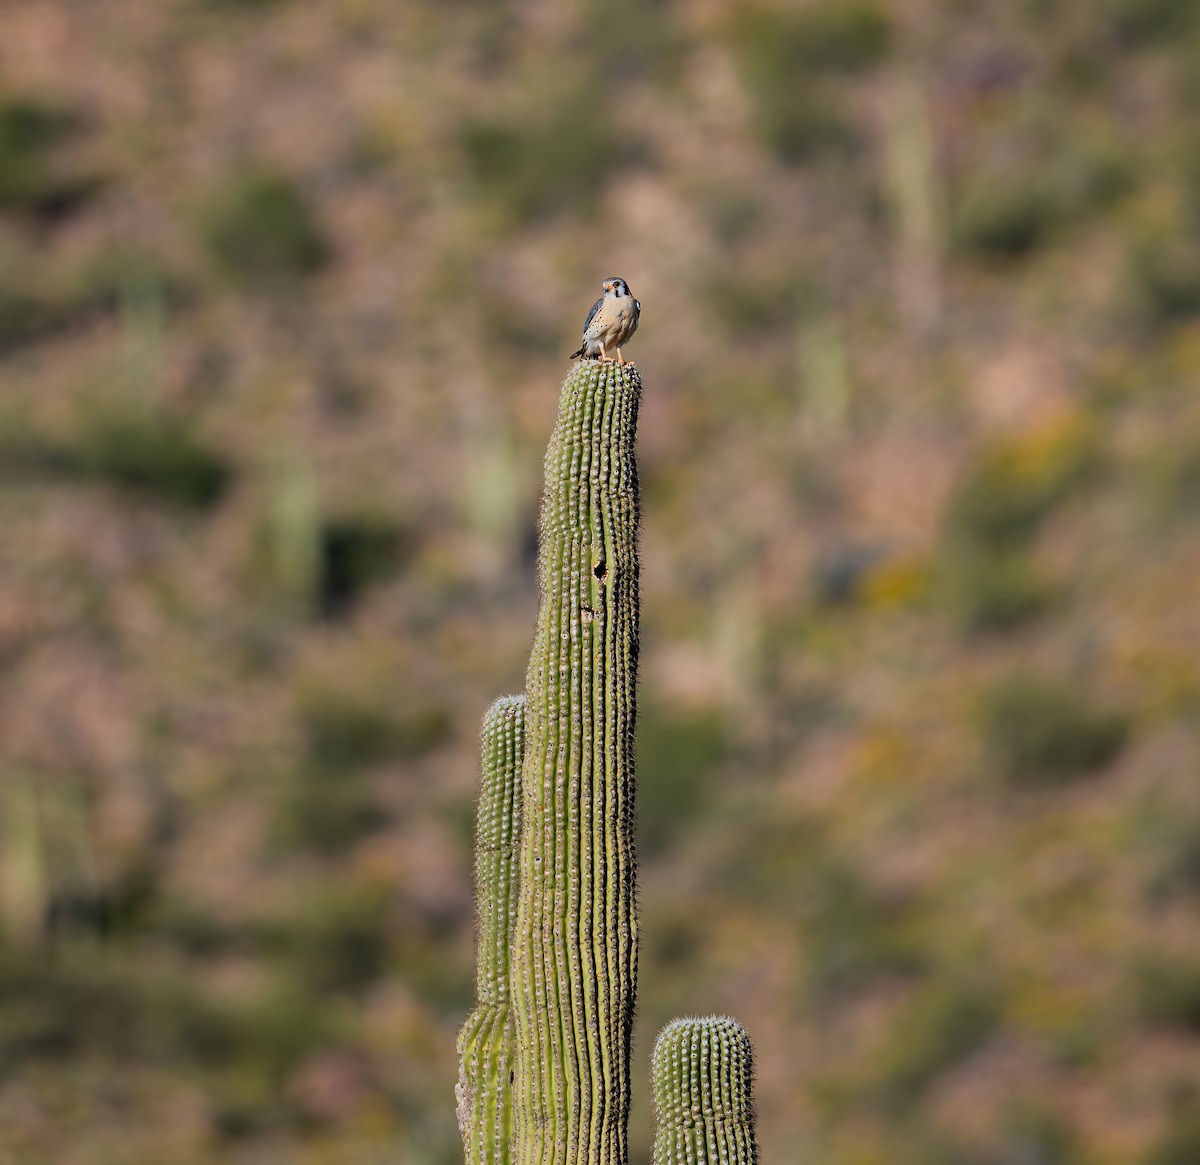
{"x":196,"y":932}
{"x":732,"y":213}
{"x":850,"y":934}
{"x":941,"y":1027}
{"x":1014,"y":485}
{"x":775,"y":45}
{"x":427,"y":965}
{"x":30,"y":178}
{"x":33,"y":309}
{"x":1179,"y":864}
{"x":1142,"y":23}
{"x":52,"y":1008}
{"x":265,"y":1034}
{"x":1164,"y":279}
{"x":1040,"y":732}
{"x":781,"y":55}
{"x":1095,"y":175}
{"x":328,"y":806}
{"x":153,"y":453}
{"x":633,"y":38}
{"x":259,"y":227}
{"x":1027,"y":1135}
{"x":551,"y":161}
{"x":990,"y":591}
{"x":79,"y":1004}
{"x":325,"y":813}
{"x":1004,"y":220}
{"x":342,"y":732}
{"x":1033,"y":1136}
{"x":336,"y":940}
{"x":305,"y":561}
{"x":1168,"y":992}
{"x":804,"y":126}
{"x":1179,"y":1143}
{"x":354,"y":553}
{"x":142,"y":450}
{"x":247,"y":1049}
{"x":678,"y":754}
{"x":753,"y":304}
{"x":1171,"y":478}
{"x":118,"y":274}
{"x":26,"y":318}
{"x":1014,"y":212}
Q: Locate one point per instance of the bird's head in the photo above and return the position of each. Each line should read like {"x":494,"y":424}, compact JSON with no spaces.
{"x":615,"y":286}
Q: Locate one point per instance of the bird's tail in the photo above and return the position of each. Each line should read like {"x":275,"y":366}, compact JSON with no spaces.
{"x":579,"y":352}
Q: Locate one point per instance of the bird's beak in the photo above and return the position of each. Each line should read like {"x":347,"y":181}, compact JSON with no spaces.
{"x":608,"y":287}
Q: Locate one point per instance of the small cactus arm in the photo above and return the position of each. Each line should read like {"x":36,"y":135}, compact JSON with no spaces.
{"x":702,"y":1071}
{"x":484,"y":1092}
{"x":574,"y":961}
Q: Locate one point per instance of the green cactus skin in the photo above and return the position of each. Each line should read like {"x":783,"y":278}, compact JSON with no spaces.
{"x":574,"y":963}
{"x":484,"y":1090}
{"x":702,"y":1071}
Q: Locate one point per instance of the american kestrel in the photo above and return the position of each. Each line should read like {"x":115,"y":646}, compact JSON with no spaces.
{"x":610,"y":323}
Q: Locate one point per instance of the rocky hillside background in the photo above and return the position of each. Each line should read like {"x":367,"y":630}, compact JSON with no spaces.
{"x":286,"y":290}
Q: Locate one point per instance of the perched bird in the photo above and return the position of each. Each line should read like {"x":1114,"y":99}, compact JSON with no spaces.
{"x":610,"y":323}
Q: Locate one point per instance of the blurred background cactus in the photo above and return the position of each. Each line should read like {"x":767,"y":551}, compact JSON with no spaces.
{"x":920,"y":653}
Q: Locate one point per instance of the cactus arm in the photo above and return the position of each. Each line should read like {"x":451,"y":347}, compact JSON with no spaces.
{"x":485,"y":1042}
{"x":575,"y":943}
{"x":702,"y":1072}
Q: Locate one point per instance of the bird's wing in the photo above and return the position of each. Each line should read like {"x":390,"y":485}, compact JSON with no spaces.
{"x":592,"y":314}
{"x":637,"y":303}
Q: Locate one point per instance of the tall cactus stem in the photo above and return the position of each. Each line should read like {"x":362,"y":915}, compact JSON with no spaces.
{"x":574,"y":964}
{"x":702,"y":1072}
{"x":484,"y":1090}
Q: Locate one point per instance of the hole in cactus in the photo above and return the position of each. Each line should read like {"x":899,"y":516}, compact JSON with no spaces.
{"x":600,"y":570}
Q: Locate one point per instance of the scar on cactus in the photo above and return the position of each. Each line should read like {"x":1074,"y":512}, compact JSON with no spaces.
{"x":544,"y":1077}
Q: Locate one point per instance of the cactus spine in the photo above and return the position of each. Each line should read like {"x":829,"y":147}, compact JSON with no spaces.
{"x":572,"y":964}
{"x":485,"y":1043}
{"x":702,"y":1072}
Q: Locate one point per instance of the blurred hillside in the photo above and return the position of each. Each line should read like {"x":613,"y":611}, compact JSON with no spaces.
{"x":286,"y":289}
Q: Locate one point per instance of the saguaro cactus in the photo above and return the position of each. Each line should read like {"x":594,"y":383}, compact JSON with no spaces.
{"x":485,"y":1043}
{"x":572,"y":966}
{"x":575,"y":949}
{"x":702,"y":1071}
